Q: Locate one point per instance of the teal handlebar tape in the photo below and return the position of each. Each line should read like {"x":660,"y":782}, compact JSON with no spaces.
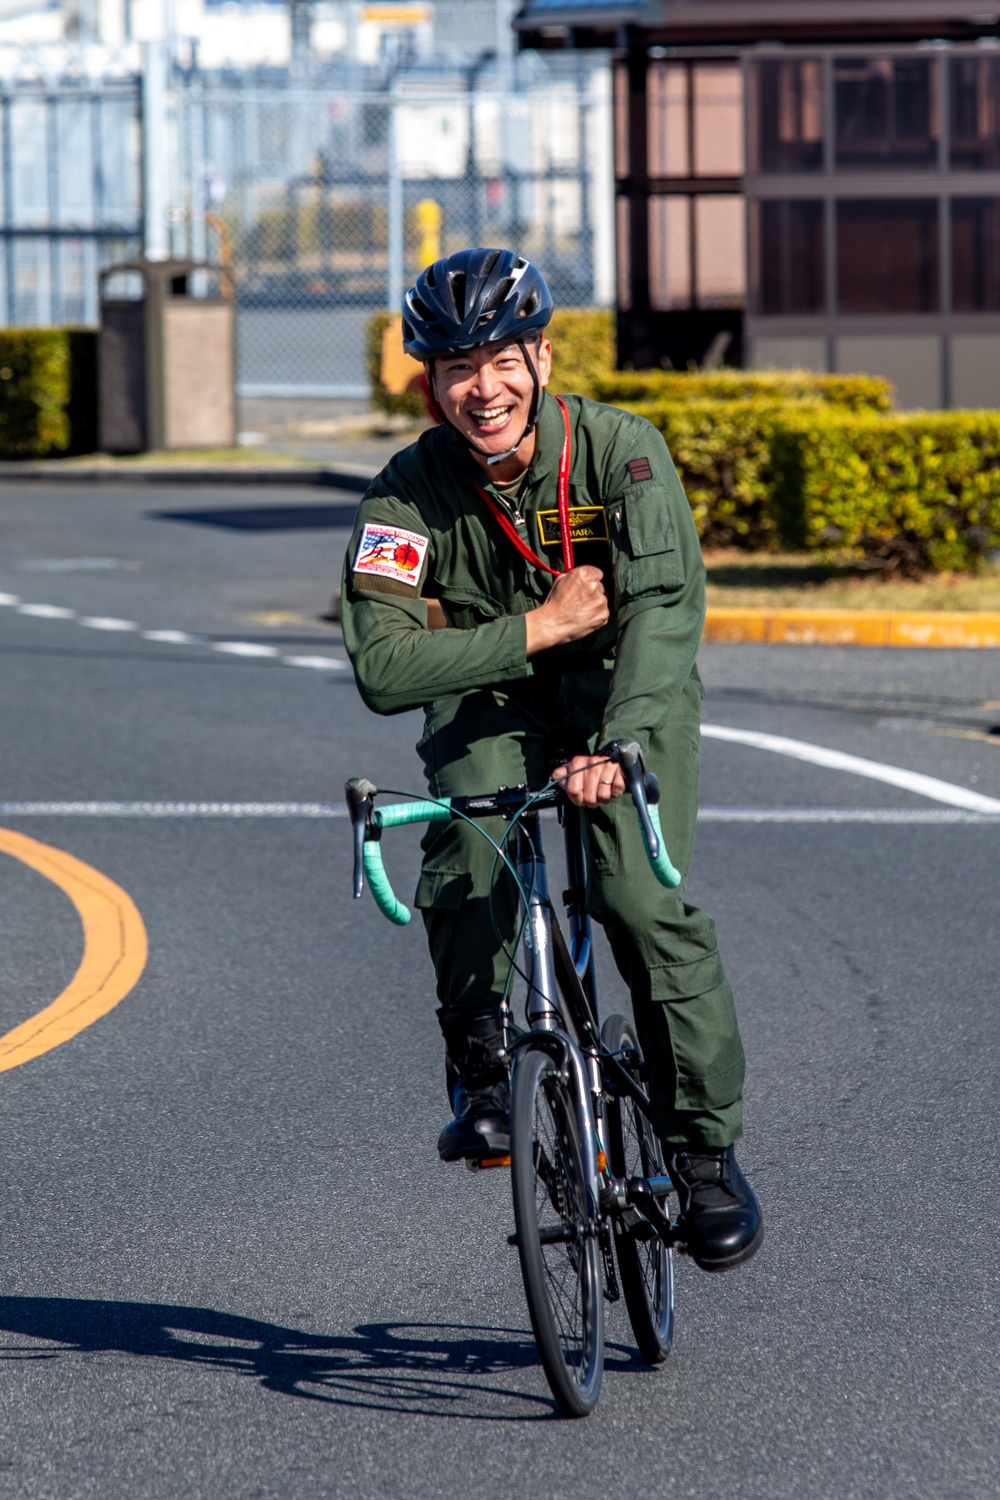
{"x":398,"y":813}
{"x":662,"y":868}
{"x":393,"y":816}
{"x":386,"y":899}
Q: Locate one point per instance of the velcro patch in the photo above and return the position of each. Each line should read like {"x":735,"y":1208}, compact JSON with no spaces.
{"x":587,"y":523}
{"x":639,"y":469}
{"x":390,"y":552}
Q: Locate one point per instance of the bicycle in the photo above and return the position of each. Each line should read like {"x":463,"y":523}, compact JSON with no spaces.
{"x":589,"y":1185}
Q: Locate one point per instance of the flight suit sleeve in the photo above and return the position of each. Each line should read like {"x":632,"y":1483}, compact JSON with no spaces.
{"x":398,"y":663}
{"x":659,"y":580}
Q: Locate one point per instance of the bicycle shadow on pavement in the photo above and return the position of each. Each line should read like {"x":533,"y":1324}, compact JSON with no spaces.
{"x":438,"y":1370}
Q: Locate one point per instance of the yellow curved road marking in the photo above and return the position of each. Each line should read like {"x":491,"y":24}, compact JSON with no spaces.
{"x":114,"y":951}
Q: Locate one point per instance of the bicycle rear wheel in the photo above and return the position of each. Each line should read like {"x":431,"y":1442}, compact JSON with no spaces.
{"x":645,"y":1263}
{"x":560,"y":1259}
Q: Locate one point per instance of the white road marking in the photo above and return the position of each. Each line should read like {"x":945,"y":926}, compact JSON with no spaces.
{"x":244,"y":648}
{"x":47,"y":611}
{"x":856,"y":765}
{"x":248,"y":650}
{"x":920,"y":817}
{"x":318,"y":663}
{"x":173,"y":637}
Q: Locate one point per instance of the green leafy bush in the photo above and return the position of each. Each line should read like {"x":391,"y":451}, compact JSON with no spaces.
{"x":909,"y":493}
{"x":856,"y":392}
{"x":905,"y":492}
{"x":723,"y":451}
{"x":48,"y":391}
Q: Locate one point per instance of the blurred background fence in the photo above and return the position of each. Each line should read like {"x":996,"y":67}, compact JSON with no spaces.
{"x":321,"y":193}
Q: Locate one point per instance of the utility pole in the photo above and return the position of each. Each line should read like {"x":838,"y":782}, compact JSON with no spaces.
{"x":155,"y":151}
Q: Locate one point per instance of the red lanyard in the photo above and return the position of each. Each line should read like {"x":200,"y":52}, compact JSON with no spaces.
{"x":511,"y":531}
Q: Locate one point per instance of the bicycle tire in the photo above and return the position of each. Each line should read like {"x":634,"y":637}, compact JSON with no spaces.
{"x":560,"y":1262}
{"x":645,"y":1266}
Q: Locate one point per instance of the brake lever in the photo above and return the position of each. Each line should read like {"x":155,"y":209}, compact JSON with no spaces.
{"x":642,"y":784}
{"x":360,"y":801}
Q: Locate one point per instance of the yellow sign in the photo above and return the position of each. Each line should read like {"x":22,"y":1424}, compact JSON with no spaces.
{"x":398,"y":15}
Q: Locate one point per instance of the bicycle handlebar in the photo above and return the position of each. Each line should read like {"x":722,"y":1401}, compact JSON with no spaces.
{"x":367,"y":823}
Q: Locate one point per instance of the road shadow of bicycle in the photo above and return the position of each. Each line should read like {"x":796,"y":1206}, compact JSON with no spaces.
{"x":439,"y":1370}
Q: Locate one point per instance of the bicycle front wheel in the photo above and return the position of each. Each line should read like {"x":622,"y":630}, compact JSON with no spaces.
{"x":560,"y":1258}
{"x":645,"y":1263}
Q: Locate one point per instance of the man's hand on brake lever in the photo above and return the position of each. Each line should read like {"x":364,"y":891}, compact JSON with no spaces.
{"x":592,"y":780}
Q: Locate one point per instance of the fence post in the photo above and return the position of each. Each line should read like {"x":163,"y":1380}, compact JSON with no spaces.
{"x":155,"y":152}
{"x":394,"y":288}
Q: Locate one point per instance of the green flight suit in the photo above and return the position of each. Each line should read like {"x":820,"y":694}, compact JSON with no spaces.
{"x":495,"y":717}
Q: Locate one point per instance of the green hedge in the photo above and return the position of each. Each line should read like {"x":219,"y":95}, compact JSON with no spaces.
{"x":906,"y":492}
{"x":48,"y":380}
{"x":856,"y":392}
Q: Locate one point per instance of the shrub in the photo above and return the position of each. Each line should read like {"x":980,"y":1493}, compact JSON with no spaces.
{"x":908,"y":493}
{"x":723,"y":451}
{"x":857,"y":392}
{"x":49,"y":385}
{"x":904,"y":492}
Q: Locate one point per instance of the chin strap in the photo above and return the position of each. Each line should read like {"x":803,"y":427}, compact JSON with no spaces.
{"x":536,"y":406}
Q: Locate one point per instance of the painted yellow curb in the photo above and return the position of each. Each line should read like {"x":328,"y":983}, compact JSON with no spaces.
{"x":114,"y":951}
{"x":853,"y":627}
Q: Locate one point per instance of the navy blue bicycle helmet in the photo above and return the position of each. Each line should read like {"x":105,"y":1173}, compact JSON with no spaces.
{"x":471,"y":298}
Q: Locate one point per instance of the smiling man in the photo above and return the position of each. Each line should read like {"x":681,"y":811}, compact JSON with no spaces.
{"x":552,"y":651}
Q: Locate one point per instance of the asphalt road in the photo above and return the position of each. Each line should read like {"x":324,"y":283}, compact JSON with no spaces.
{"x":232,"y":1265}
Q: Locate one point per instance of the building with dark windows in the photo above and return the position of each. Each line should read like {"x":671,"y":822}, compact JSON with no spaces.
{"x":811,"y":183}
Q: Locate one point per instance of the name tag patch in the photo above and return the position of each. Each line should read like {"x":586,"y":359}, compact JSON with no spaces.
{"x":587,"y":523}
{"x":390,"y":552}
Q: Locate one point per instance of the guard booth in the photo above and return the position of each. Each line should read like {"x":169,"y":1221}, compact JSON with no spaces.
{"x":166,"y":357}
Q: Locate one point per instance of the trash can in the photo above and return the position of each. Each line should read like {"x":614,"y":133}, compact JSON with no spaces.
{"x":166,"y":357}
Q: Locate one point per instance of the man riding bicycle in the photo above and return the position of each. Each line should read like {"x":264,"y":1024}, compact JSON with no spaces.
{"x":540,"y":667}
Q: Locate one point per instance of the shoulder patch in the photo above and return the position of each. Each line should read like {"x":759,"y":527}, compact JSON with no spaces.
{"x":390,"y":552}
{"x":639,"y":469}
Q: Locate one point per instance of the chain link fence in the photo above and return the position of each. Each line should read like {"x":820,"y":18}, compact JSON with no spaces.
{"x":321,"y":195}
{"x":330,"y":200}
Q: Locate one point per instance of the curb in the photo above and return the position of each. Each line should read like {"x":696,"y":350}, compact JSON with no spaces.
{"x":852,"y":627}
{"x":341,"y":477}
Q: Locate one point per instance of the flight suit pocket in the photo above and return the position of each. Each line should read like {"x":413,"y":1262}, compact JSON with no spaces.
{"x":700,"y":1016}
{"x":647,"y":560}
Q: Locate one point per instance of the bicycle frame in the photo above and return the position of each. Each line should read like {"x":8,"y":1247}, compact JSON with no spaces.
{"x":554,"y":969}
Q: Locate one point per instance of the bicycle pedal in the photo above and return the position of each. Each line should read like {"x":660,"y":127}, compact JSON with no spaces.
{"x":481,"y":1163}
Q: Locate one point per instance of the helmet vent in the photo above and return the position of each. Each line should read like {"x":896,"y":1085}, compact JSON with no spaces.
{"x":458,"y":294}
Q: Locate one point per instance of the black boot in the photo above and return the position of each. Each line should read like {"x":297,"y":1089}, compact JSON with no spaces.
{"x":720,"y":1216}
{"x":479,"y":1086}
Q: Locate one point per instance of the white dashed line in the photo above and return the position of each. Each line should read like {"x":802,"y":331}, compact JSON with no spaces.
{"x":173,"y":637}
{"x":248,"y":650}
{"x":317,"y":663}
{"x":46,"y":611}
{"x":244,"y":648}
